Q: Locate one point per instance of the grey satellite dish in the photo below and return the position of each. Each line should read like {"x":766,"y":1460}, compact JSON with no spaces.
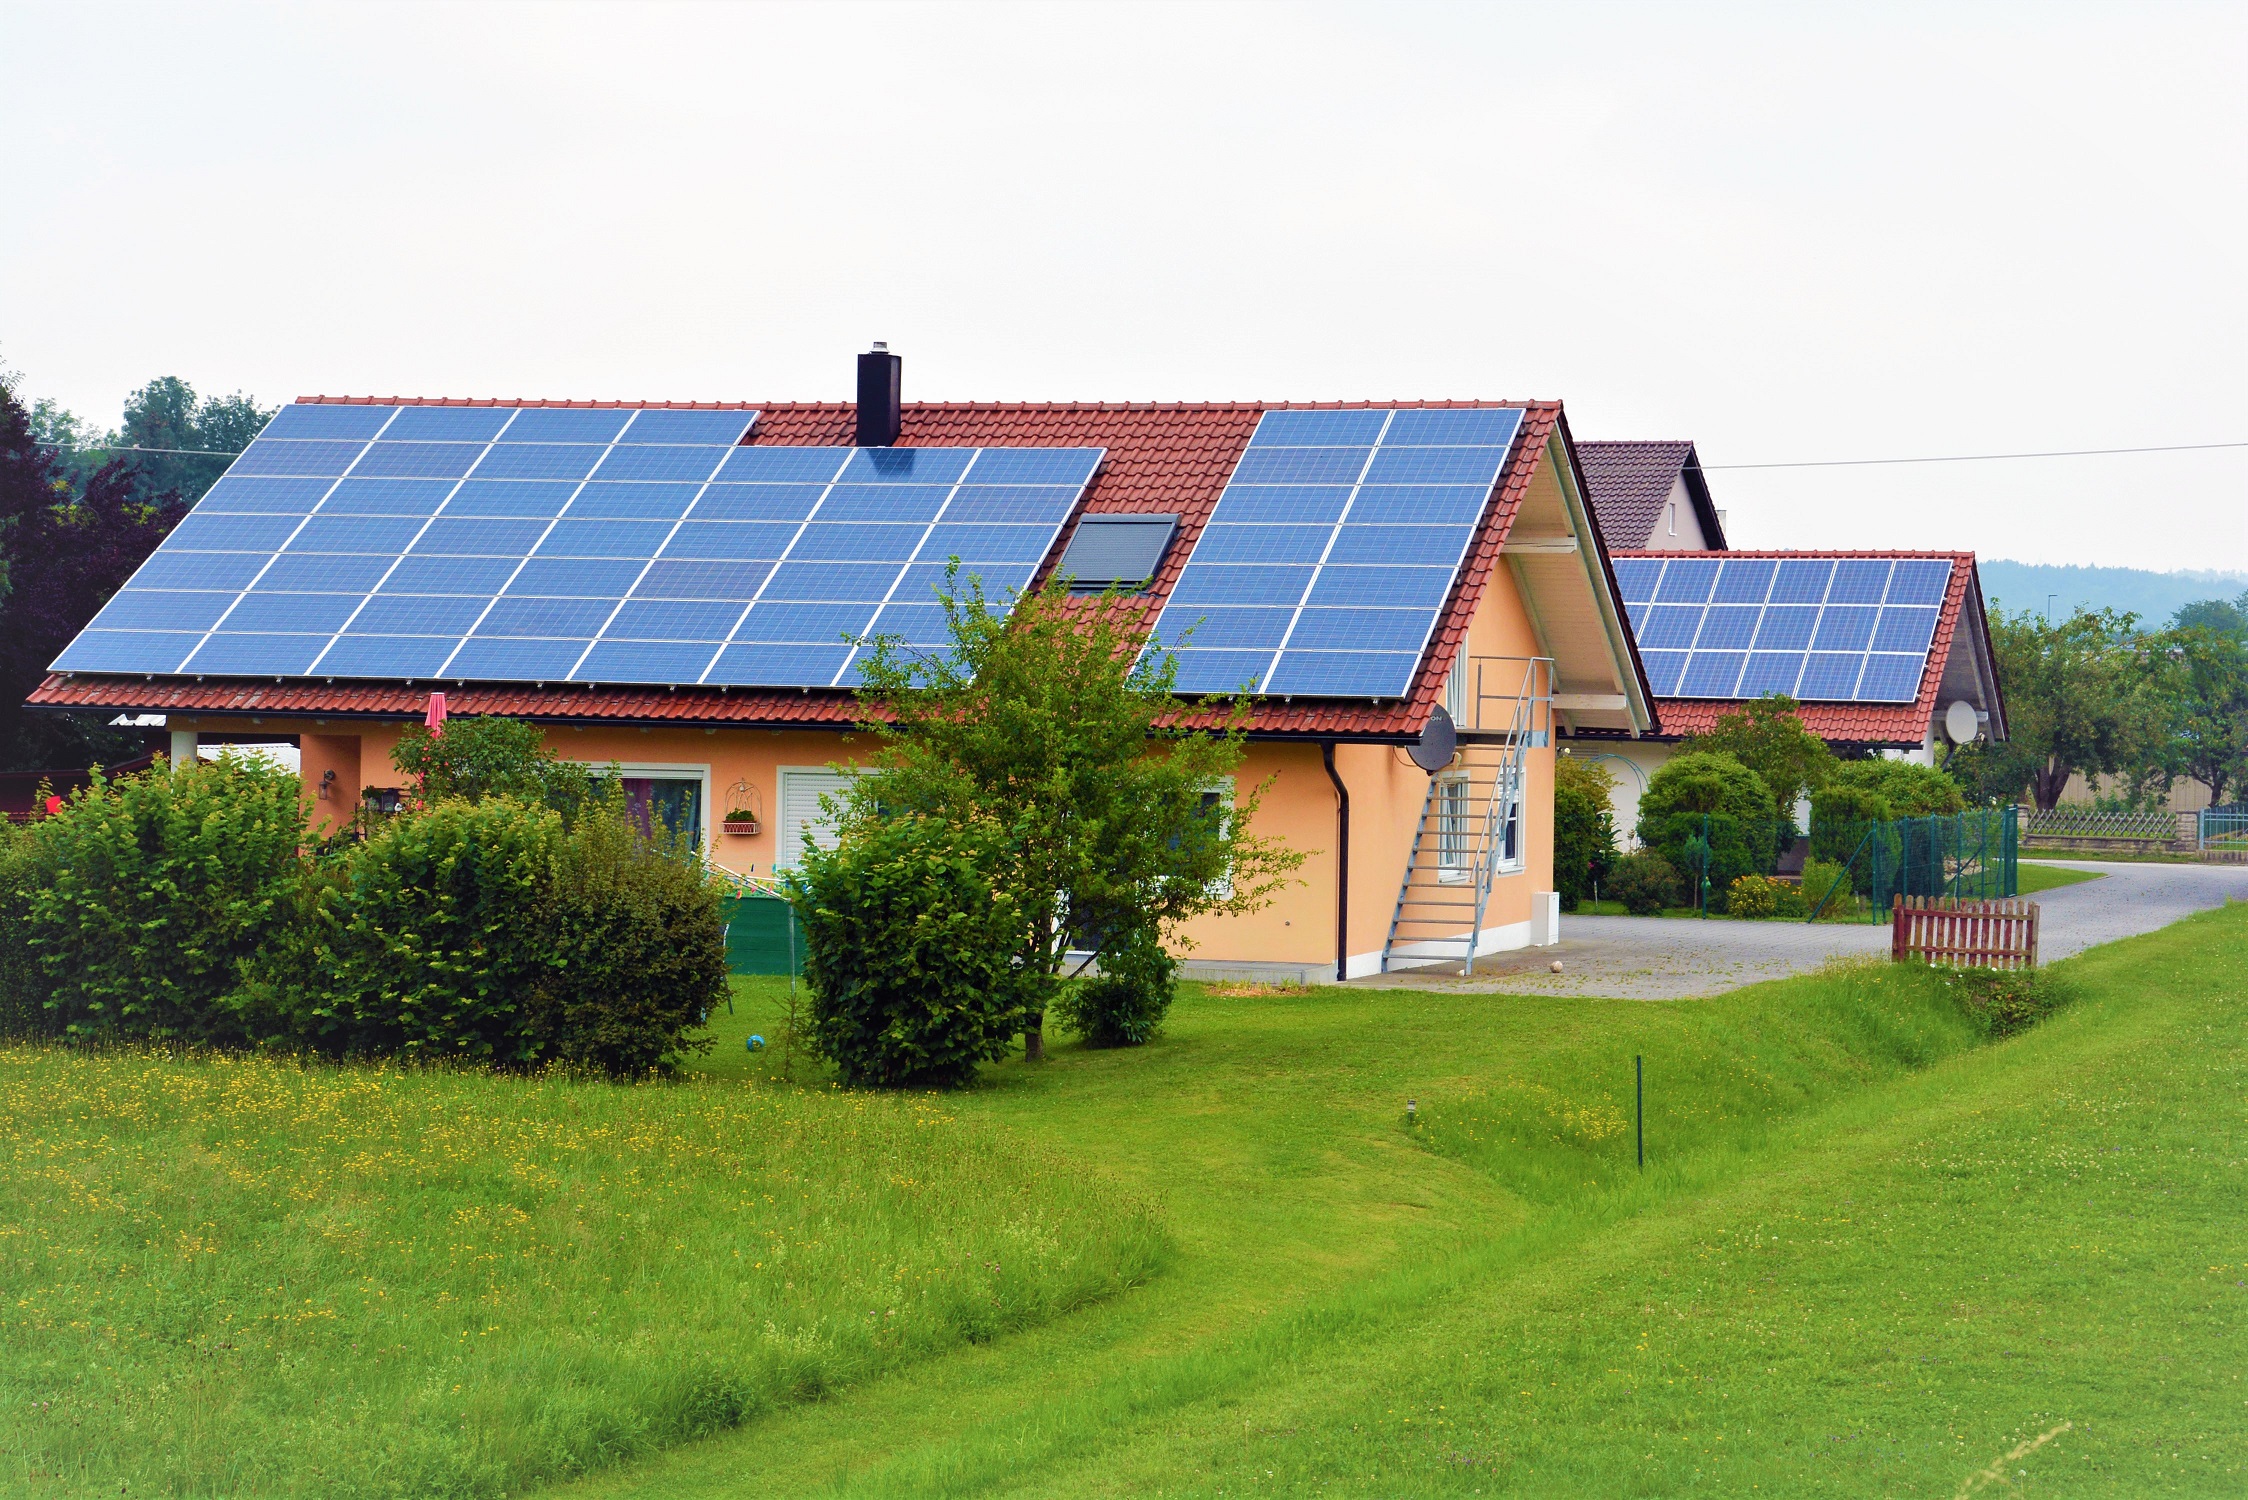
{"x":1432,"y":752}
{"x":1959,"y":721}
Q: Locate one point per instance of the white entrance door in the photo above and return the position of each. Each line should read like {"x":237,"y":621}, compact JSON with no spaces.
{"x":801,"y":788}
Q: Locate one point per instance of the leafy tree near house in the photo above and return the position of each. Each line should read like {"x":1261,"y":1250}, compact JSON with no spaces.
{"x":1767,"y":736}
{"x":65,"y":547}
{"x":1711,"y":816}
{"x":1584,"y":827}
{"x":2075,"y":701}
{"x":1097,"y":785}
{"x":166,"y":413}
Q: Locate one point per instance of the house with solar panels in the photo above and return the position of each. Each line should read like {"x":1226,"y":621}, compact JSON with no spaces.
{"x":1887,"y":652}
{"x":1416,"y":595}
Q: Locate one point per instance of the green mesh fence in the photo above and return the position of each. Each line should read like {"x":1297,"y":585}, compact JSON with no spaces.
{"x":762,"y":936}
{"x":1971,"y":855}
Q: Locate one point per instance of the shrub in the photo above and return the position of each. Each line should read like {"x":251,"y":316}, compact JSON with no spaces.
{"x":1911,"y":790}
{"x":143,"y":897}
{"x":1125,"y":1005}
{"x":489,"y":932}
{"x":1819,"y":877}
{"x":1754,"y":896}
{"x":476,"y":757}
{"x":1584,"y":841}
{"x":1841,"y":812}
{"x":2007,"y":1001}
{"x":1645,"y":883}
{"x":1708,"y":813}
{"x":23,"y":992}
{"x":910,"y":952}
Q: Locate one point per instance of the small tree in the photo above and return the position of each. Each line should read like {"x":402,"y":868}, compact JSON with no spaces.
{"x":1584,"y":829}
{"x":1102,"y":788}
{"x":2202,"y":677}
{"x":2073,"y":700}
{"x":1767,"y":736}
{"x":1711,"y":816}
{"x":473,"y":758}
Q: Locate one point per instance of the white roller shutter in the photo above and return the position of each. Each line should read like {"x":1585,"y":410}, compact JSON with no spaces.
{"x":801,"y":789}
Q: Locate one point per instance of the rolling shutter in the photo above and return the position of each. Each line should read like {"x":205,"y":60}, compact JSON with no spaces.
{"x":801,"y":790}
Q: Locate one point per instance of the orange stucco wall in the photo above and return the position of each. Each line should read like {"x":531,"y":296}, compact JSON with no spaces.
{"x":1387,"y":794}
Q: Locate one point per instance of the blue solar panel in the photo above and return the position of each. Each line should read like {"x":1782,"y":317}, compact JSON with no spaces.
{"x":407,"y":656}
{"x":1817,"y":628}
{"x":162,"y":609}
{"x":1222,"y":671}
{"x":126,"y":651}
{"x":492,"y":541}
{"x":1663,"y":671}
{"x":539,"y":461}
{"x":448,"y":424}
{"x":914,"y":624}
{"x":1351,"y":523}
{"x":780,"y":621}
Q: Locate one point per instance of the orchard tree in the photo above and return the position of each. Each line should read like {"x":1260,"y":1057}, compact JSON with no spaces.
{"x":1100,"y":788}
{"x":2075,"y":701}
{"x":2200,"y":678}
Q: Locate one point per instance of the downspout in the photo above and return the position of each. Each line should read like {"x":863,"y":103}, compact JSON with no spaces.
{"x":1342,"y":862}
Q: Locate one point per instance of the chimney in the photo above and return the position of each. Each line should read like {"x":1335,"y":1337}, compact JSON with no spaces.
{"x":879,"y":386}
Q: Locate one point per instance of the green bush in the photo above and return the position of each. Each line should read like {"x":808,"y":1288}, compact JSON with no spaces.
{"x":1584,"y":843}
{"x":1821,"y":876}
{"x":1645,"y":883}
{"x":490,"y":933}
{"x":1910,"y":789}
{"x":1125,"y":1005}
{"x":910,"y":952}
{"x":23,"y":992}
{"x":2007,"y":1001}
{"x":1841,"y":812}
{"x":143,"y":898}
{"x":476,"y":757}
{"x":1709,"y":814}
{"x":1756,"y":896}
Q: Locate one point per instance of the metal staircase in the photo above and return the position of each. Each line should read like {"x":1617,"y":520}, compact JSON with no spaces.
{"x":1471,"y":827}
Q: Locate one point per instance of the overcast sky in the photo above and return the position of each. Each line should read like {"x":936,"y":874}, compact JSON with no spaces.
{"x":1785,"y":232}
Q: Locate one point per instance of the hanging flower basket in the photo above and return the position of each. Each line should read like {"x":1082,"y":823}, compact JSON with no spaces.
{"x":744,"y":823}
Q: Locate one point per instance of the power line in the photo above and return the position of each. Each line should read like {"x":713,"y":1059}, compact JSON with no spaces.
{"x":126,"y":448}
{"x":1977,"y":458}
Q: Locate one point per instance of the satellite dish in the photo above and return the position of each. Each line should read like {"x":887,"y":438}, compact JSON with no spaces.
{"x":1432,"y":752}
{"x":1959,"y":721}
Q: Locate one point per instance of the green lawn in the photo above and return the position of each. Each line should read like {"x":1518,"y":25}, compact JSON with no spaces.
{"x":1870,"y":1256}
{"x":2032,"y":878}
{"x":231,"y":1277}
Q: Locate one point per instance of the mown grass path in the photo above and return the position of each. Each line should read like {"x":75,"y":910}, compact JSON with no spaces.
{"x":1911,"y":1258}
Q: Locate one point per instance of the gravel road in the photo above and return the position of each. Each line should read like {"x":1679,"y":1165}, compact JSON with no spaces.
{"x":1656,"y":958}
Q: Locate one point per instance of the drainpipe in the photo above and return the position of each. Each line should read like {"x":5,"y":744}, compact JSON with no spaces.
{"x":1342,"y":862}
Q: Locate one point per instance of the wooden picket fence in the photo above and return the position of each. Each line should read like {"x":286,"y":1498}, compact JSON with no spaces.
{"x":1971,"y":934}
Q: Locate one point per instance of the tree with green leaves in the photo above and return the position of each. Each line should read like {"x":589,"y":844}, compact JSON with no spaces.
{"x":186,"y":441}
{"x":2075,"y":701}
{"x":2200,"y":678}
{"x":473,"y":757}
{"x":1767,"y":735}
{"x":1104,"y":793}
{"x":2224,"y":616}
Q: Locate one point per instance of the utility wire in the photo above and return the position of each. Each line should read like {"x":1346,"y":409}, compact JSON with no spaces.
{"x":125,"y":448}
{"x":1976,"y":458}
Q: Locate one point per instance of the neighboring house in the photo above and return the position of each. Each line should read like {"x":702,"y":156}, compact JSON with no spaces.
{"x":1704,"y":656}
{"x":1651,"y":495}
{"x":1417,"y":592}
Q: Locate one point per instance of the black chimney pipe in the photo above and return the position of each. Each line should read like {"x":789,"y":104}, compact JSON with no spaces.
{"x":880,"y":386}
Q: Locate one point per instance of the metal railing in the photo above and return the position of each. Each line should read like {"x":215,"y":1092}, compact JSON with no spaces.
{"x":1471,"y":826}
{"x":1972,"y":855}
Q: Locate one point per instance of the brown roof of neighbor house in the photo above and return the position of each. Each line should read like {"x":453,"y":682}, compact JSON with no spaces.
{"x":1167,"y":458}
{"x":1630,"y":482}
{"x":1892,"y":724}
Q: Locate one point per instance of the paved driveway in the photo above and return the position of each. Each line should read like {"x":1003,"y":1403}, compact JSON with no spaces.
{"x":1654,"y":958}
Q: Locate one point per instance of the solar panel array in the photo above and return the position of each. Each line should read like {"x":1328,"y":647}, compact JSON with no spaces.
{"x":1849,"y":629}
{"x":1328,"y":557}
{"x":549,"y":544}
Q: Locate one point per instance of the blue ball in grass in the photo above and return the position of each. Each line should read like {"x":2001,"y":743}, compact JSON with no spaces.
{"x":755,"y":1043}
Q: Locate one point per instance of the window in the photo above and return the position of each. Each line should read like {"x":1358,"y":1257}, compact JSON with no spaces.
{"x":1510,"y":829}
{"x":1116,"y":551}
{"x":800,"y":791}
{"x":1455,"y":830}
{"x":1456,"y":692}
{"x":1671,"y":510}
{"x":1217,"y":801}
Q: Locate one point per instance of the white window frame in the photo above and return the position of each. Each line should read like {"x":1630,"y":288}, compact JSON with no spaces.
{"x":1514,"y":832}
{"x":1223,"y":787}
{"x":1455,"y":828}
{"x":670,"y":770}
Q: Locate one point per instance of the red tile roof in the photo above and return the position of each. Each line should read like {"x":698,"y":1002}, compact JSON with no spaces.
{"x":1169,"y":458}
{"x":1899,"y":724}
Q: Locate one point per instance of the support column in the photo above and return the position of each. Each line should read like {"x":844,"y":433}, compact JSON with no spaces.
{"x":183,"y":747}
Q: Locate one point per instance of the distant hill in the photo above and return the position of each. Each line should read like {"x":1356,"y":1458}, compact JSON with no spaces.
{"x":2153,"y":597}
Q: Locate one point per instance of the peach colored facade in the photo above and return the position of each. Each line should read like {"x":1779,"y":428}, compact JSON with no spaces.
{"x":1295,"y":937}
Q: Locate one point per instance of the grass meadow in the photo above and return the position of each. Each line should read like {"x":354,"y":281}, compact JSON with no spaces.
{"x":244,"y":1277}
{"x":1872,"y":1254}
